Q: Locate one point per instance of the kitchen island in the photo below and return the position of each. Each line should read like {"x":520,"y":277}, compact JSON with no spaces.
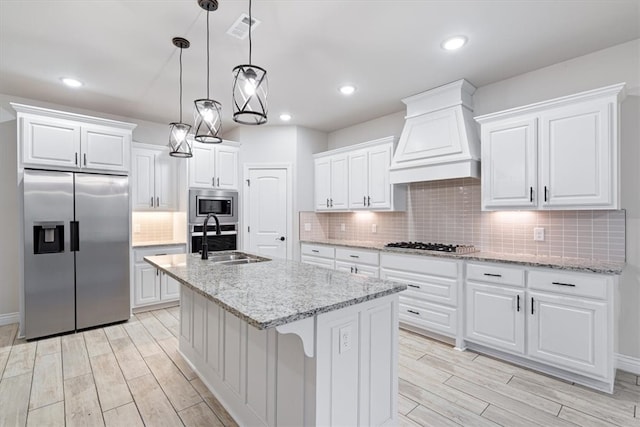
{"x":284,"y":343}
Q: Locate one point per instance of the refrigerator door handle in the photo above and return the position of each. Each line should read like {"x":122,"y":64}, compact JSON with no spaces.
{"x":75,"y":236}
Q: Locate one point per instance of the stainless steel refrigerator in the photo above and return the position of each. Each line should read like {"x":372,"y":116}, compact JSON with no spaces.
{"x":76,"y":252}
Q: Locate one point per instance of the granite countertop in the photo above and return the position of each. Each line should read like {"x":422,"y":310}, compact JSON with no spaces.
{"x":150,"y":244}
{"x":560,"y":263}
{"x":272,"y":293}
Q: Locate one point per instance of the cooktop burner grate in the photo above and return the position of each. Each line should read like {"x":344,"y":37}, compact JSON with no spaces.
{"x":437,"y":247}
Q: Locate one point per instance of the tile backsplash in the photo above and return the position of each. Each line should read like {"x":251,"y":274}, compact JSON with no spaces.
{"x":158,"y":226}
{"x":449,"y":212}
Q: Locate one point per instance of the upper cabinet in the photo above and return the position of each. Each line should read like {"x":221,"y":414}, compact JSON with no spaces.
{"x":214,"y":166}
{"x":558,"y":154}
{"x":357,"y":178}
{"x":154,"y":184}
{"x":59,"y":140}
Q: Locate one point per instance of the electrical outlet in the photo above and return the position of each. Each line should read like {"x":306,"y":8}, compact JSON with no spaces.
{"x":345,"y":339}
{"x":538,"y":234}
{"x":374,"y":228}
{"x":343,"y":227}
{"x":136,"y":228}
{"x":307,"y":226}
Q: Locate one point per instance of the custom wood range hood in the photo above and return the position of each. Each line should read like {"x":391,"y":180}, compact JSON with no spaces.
{"x":439,"y":139}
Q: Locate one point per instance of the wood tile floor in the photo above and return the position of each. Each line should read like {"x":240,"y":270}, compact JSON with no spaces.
{"x":131,"y":375}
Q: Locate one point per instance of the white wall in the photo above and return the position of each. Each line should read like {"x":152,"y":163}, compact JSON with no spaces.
{"x":617,"y":64}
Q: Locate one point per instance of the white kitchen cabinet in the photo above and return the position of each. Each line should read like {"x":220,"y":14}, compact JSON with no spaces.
{"x":214,"y":165}
{"x":430,"y":302}
{"x":331,"y":175}
{"x":358,"y":261}
{"x":55,"y":139}
{"x":557,"y":154}
{"x":318,"y":255}
{"x":154,"y":180}
{"x":150,"y":285}
{"x":357,"y":178}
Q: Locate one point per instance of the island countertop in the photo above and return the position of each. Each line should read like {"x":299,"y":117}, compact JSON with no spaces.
{"x":273,"y":293}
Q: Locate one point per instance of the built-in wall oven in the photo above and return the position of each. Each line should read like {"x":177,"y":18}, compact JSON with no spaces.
{"x":222,"y":203}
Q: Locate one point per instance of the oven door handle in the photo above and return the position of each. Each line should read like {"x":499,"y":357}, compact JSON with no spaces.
{"x":213,"y":233}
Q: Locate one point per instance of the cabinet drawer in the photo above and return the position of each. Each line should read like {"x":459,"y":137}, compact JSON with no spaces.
{"x":139,"y":254}
{"x":318,"y":250}
{"x":430,"y":317}
{"x":318,"y":261}
{"x":442,"y":290}
{"x":359,"y":256}
{"x":499,"y":274}
{"x":586,"y":285}
{"x":420,"y":264}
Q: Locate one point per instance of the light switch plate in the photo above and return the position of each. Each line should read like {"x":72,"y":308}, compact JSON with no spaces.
{"x":346,"y":338}
{"x":343,"y":227}
{"x":307,"y":226}
{"x":538,"y":234}
{"x":374,"y":228}
{"x":136,"y":228}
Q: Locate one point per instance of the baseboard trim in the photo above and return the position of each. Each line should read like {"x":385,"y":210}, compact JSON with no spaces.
{"x":628,"y":364}
{"x":9,"y":318}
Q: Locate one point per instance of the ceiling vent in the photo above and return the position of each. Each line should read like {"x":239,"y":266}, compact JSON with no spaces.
{"x":240,"y":28}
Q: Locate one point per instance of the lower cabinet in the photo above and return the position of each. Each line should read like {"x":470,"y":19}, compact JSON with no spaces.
{"x":349,"y":260}
{"x":561,"y":320}
{"x":150,"y":285}
{"x":318,"y":255}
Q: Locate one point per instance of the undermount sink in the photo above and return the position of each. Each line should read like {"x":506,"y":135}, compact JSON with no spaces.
{"x":235,"y":258}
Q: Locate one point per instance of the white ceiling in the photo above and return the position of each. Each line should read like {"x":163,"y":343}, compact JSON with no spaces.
{"x":122,"y":50}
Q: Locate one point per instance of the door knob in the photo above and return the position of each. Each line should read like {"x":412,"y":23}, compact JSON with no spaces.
{"x":281,"y":238}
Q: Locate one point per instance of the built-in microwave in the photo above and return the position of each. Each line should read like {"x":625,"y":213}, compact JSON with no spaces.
{"x":222,"y":203}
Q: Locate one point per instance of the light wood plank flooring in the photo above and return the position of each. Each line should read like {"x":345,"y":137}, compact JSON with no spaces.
{"x":132,"y":375}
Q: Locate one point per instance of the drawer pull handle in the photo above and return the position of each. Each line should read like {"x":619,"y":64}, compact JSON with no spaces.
{"x":518,"y":304}
{"x":531,"y":305}
{"x":531,"y":194}
{"x":493,"y":275}
{"x":315,"y":251}
{"x":563,"y":284}
{"x":545,"y":193}
{"x":413,"y":286}
{"x":354,"y":256}
{"x":413,"y":312}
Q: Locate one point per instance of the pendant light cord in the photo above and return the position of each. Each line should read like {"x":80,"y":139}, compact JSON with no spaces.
{"x":250,"y":31}
{"x":207,"y":54}
{"x":180,"y":85}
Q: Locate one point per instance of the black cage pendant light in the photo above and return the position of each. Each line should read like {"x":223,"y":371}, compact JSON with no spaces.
{"x":208,"y":112}
{"x":178,"y":144}
{"x":250,"y":89}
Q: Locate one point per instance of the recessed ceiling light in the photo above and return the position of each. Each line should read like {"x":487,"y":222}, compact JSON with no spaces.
{"x":71,"y":82}
{"x":347,"y":89}
{"x":285,"y":117}
{"x":454,"y":43}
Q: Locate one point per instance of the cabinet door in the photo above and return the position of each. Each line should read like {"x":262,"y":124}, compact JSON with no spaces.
{"x":169,"y":288}
{"x":568,"y":332}
{"x":578,"y":156}
{"x":358,"y":179}
{"x":339,"y":182}
{"x":226,"y":167}
{"x":166,"y":181}
{"x":322,"y":183}
{"x":49,"y":142}
{"x":318,"y":262}
{"x":105,"y":148}
{"x":366,"y":270}
{"x":142,"y":183}
{"x":147,"y":285}
{"x":379,"y":191}
{"x":509,"y":164}
{"x":495,"y":316}
{"x":201,"y":166}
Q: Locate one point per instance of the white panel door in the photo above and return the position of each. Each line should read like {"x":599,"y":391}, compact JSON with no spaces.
{"x":201,"y":166}
{"x":49,"y":142}
{"x":339,"y":198}
{"x":146,"y":284}
{"x":105,"y":148}
{"x":509,"y":164}
{"x":268,"y":214}
{"x":358,"y":179}
{"x":379,"y":194}
{"x":226,"y":167}
{"x":142,"y":183}
{"x":166,"y":181}
{"x":495,"y":316}
{"x":568,"y":332}
{"x":577,"y":156}
{"x":322,"y":183}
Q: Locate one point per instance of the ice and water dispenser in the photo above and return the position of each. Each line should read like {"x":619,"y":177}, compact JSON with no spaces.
{"x":48,"y":237}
